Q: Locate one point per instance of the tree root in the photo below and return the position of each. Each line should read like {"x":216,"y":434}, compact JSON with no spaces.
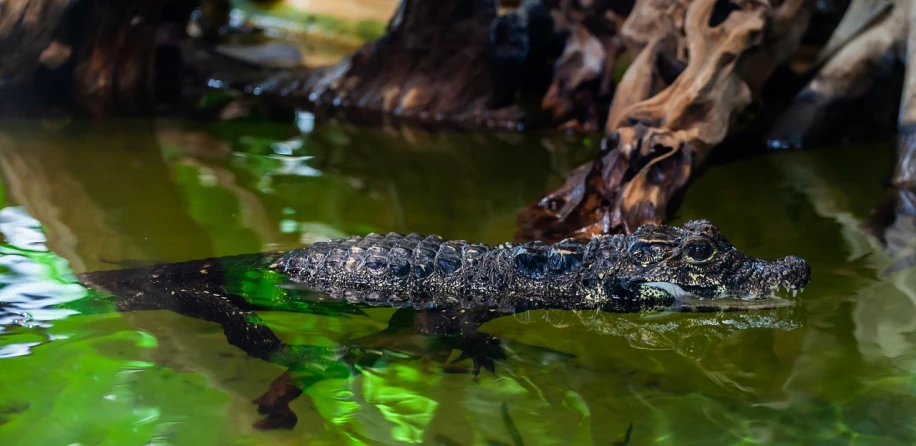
{"x":850,"y":70}
{"x":102,"y":58}
{"x":905,"y":172}
{"x":582,"y":87}
{"x":655,"y":141}
{"x":872,"y":40}
{"x":893,"y":220}
{"x":27,"y":30}
{"x":455,"y":61}
{"x":460,"y":63}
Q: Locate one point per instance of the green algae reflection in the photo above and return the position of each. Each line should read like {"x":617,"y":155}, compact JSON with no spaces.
{"x":168,"y":191}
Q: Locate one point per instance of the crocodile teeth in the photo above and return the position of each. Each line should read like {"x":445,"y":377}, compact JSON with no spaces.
{"x":794,"y":293}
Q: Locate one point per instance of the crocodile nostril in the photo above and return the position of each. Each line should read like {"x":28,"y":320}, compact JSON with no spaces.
{"x":797,"y":271}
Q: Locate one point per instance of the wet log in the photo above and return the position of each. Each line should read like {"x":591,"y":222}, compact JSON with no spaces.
{"x":580,"y":89}
{"x":858,"y":63}
{"x":857,"y":67}
{"x":653,"y":36}
{"x":893,"y":219}
{"x":862,"y":54}
{"x":441,"y":62}
{"x":27,"y":38}
{"x":461,"y":63}
{"x":582,"y":84}
{"x":98,"y":56}
{"x":655,"y":141}
{"x":905,"y":171}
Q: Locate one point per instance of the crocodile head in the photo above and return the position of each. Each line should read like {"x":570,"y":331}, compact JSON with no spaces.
{"x":697,"y":265}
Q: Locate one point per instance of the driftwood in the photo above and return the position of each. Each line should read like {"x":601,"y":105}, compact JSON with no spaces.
{"x":462,"y":63}
{"x":573,"y":97}
{"x":27,"y":38}
{"x":905,"y":173}
{"x":100,"y":57}
{"x":452,"y":62}
{"x":893,"y":220}
{"x":655,"y":141}
{"x":582,"y":86}
{"x":652,"y":32}
{"x":860,"y":55}
{"x":857,"y":64}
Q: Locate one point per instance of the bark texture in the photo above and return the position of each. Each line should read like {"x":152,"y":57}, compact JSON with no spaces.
{"x":439,"y":62}
{"x":859,"y":63}
{"x":860,"y":56}
{"x":697,"y":65}
{"x":101,"y":57}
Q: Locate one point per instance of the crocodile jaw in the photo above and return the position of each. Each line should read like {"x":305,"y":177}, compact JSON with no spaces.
{"x":685,"y":297}
{"x":672,"y":289}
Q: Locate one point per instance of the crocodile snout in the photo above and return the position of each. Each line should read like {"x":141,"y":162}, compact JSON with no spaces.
{"x":795,"y":272}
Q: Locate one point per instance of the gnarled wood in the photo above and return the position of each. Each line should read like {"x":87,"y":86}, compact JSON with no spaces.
{"x":893,"y":220}
{"x":27,"y":30}
{"x":438,"y":62}
{"x":653,"y":146}
{"x":572,"y":94}
{"x":97,"y":56}
{"x":905,"y":171}
{"x":653,"y":33}
{"x":855,"y":64}
{"x":582,"y":86}
{"x":860,"y":15}
{"x":847,"y":75}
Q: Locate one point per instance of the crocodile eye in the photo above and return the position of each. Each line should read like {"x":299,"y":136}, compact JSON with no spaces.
{"x":648,"y":253}
{"x":699,"y":251}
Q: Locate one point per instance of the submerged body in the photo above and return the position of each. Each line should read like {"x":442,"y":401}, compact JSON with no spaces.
{"x":658,"y":267}
{"x":461,"y":285}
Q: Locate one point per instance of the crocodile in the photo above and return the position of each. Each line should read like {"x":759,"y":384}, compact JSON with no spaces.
{"x":447,"y":289}
{"x":658,"y":267}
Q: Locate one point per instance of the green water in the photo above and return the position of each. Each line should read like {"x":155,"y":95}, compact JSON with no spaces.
{"x":840,"y":373}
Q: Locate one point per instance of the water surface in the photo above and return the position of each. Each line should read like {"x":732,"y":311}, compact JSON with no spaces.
{"x":84,"y":197}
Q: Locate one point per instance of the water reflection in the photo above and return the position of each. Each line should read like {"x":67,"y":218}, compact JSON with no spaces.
{"x":362,"y":180}
{"x":170,"y":191}
{"x":20,"y":230}
{"x":690,"y":335}
{"x":233,"y":291}
{"x":33,"y":283}
{"x":883,"y":310}
{"x":101,"y":193}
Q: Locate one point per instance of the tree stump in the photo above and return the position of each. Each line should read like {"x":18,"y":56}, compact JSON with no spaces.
{"x":96,"y":56}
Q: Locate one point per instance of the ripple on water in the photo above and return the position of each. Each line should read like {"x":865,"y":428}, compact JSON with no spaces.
{"x":21,"y":230}
{"x":34,"y":283}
